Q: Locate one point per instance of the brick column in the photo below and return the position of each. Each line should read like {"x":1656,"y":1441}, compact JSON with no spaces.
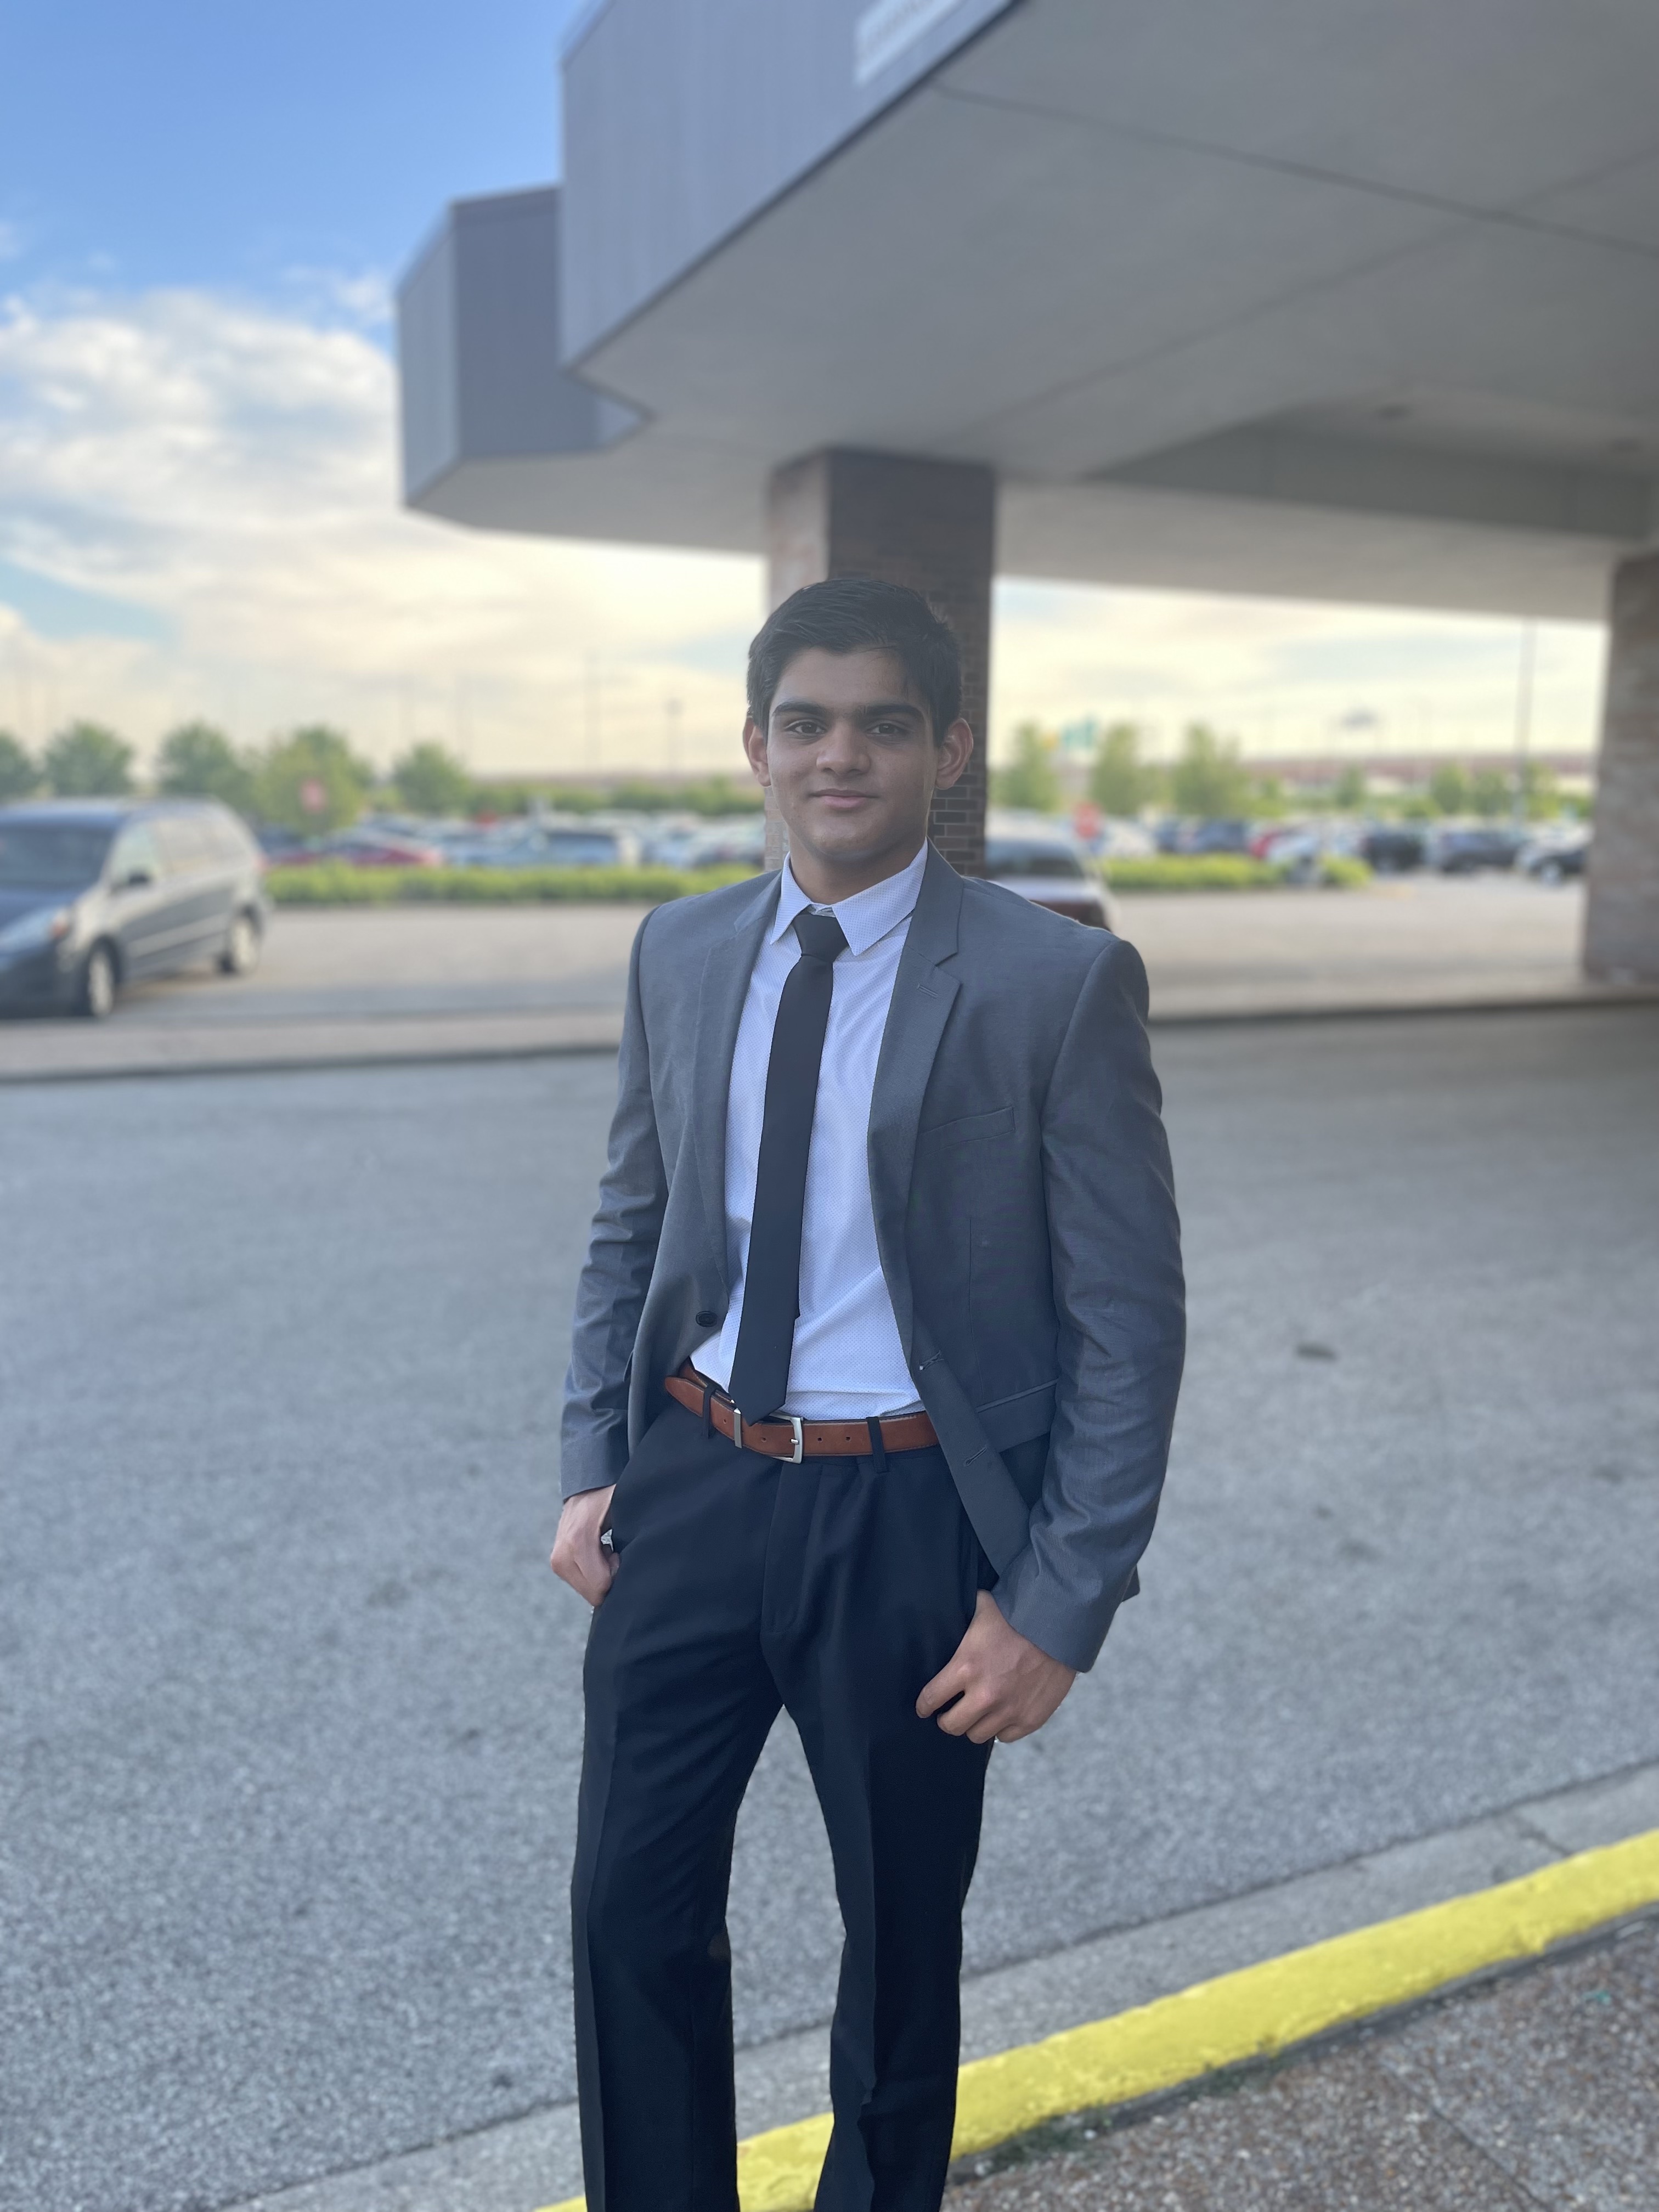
{"x":928,"y":523}
{"x":1621,"y":914}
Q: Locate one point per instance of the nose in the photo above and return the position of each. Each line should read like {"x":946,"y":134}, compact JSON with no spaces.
{"x":841,"y":749}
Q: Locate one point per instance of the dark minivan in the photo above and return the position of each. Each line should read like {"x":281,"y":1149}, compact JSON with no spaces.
{"x":98,"y":892}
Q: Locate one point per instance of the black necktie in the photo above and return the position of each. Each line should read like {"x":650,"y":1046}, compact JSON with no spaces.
{"x":771,"y":1281}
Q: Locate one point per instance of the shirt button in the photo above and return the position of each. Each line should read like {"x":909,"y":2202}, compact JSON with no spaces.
{"x":707,"y":1318}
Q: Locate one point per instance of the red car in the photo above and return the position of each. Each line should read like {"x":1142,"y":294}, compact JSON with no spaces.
{"x":362,"y":849}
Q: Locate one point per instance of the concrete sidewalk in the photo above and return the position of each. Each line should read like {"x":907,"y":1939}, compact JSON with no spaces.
{"x":1540,"y":2089}
{"x":536,"y":2161}
{"x":380,"y":986}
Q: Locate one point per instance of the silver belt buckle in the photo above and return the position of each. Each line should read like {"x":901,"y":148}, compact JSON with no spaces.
{"x":800,"y":1452}
{"x":736,"y":1425}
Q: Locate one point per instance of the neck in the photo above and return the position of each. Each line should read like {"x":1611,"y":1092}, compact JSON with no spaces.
{"x":828,"y":880}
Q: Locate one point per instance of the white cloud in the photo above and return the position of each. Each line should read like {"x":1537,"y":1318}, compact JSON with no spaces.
{"x":233,"y":471}
{"x":230,"y":469}
{"x":1285,"y":678}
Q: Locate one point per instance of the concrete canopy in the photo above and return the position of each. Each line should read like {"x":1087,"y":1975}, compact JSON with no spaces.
{"x":1306,"y":297}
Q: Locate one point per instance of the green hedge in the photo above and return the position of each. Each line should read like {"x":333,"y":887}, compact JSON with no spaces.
{"x":336,"y":883}
{"x":1224,"y":872}
{"x":1192,"y":871}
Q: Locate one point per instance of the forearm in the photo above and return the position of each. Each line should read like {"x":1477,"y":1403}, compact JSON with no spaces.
{"x":1114,"y":1240}
{"x":1094,"y":1519}
{"x":621,"y":1255}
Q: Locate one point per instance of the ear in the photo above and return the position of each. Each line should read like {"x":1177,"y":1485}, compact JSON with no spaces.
{"x":754,"y":744}
{"x":956,"y":750}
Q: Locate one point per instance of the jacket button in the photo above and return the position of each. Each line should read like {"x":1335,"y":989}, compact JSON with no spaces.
{"x":707,"y":1318}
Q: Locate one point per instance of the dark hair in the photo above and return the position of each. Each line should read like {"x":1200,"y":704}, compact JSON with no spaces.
{"x":860,"y":614}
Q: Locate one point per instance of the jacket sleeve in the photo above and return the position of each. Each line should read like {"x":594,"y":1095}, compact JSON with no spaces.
{"x":1115,"y":1241}
{"x":622,"y":1251}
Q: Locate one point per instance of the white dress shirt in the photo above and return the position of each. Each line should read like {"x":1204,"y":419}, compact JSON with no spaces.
{"x":847,"y":1362}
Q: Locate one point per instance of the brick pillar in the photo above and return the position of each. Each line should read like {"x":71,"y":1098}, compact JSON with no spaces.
{"x":928,"y":523}
{"x":1621,"y":914}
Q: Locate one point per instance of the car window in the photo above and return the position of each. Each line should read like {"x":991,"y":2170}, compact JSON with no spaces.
{"x":229,"y":840}
{"x":135,"y":852}
{"x":184,"y":843}
{"x":50,"y":855}
{"x":580,"y":848}
{"x":1009,"y":859}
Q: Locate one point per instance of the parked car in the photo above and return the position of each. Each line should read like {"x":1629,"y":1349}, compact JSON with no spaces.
{"x":1555,"y":858}
{"x":1393,"y":848}
{"x":95,"y":893}
{"x":1463,"y":851}
{"x":1302,"y":851}
{"x":284,"y":847}
{"x":1047,"y":867}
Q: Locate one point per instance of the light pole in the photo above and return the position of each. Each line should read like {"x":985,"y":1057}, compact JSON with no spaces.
{"x":1523,"y":715}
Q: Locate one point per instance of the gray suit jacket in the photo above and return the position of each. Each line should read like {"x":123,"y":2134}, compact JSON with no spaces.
{"x":1024,"y":1213}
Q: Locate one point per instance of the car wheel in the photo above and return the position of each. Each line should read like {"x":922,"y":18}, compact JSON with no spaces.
{"x":241,"y":954}
{"x":1552,"y":873}
{"x":94,"y":994}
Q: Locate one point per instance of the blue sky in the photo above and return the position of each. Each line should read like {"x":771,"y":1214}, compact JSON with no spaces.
{"x":216,"y":143}
{"x":203,"y":208}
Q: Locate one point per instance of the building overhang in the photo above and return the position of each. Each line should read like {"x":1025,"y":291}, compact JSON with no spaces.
{"x":1312,"y":302}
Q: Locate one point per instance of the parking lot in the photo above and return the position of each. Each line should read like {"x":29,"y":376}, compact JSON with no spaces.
{"x":352,"y":985}
{"x":290,"y":1722}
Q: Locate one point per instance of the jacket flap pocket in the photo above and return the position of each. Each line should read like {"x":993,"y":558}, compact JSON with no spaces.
{"x":967,"y":1128}
{"x":1013,"y":1420}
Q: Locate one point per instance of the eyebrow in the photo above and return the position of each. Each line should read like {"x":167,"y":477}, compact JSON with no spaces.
{"x":876,"y":710}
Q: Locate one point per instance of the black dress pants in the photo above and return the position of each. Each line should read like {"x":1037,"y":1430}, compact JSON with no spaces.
{"x":743,"y":1584}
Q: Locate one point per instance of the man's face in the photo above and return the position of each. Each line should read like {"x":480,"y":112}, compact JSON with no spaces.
{"x":849,"y":757}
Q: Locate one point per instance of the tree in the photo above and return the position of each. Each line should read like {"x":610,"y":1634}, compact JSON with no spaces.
{"x":87,"y":761}
{"x":1207,"y":780}
{"x":1449,"y":788}
{"x":1349,"y":790}
{"x":431,"y":780}
{"x":1489,"y":792}
{"x":196,"y":760}
{"x":312,"y":781}
{"x":1540,"y":795}
{"x":1031,"y":782}
{"x":1120,"y":781}
{"x":1268,"y":799}
{"x":18,"y":773}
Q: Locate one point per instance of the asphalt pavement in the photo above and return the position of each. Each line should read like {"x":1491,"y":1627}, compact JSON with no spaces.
{"x":290,"y":1700}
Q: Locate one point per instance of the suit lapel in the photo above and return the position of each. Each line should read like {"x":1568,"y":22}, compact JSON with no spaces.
{"x":725,"y":986}
{"x":923,"y":994}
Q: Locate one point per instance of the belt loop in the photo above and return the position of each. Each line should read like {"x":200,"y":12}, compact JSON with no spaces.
{"x":708,"y":1408}
{"x":878,"y":1449}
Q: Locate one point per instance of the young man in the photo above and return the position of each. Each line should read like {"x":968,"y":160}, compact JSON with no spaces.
{"x":875,"y":1355}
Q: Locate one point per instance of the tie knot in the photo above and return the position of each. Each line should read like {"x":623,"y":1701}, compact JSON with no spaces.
{"x":821,"y":936}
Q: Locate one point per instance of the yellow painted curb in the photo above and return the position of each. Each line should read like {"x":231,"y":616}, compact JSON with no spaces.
{"x":1248,"y":2014}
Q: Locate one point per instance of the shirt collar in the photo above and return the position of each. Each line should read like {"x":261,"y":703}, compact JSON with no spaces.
{"x":867,"y":916}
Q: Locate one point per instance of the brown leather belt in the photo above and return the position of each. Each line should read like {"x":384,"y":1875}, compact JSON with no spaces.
{"x":794,"y":1439}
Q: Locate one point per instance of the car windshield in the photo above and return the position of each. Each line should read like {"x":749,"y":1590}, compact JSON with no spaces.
{"x":51,"y":856}
{"x":1007,"y":858}
{"x":578,"y":849}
